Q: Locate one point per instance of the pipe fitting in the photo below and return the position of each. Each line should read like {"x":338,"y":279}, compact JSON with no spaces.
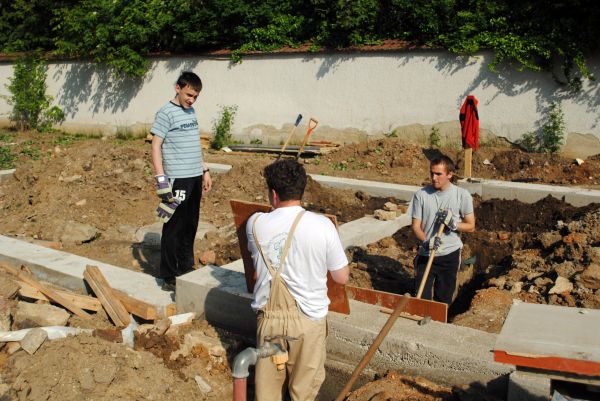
{"x":242,"y":362}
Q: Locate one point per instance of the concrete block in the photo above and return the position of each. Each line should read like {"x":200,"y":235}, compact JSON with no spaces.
{"x":66,"y":270}
{"x":528,"y":193}
{"x":583,"y":197}
{"x":217,"y":168}
{"x":474,"y":186}
{"x":33,"y":340}
{"x":150,"y":235}
{"x":36,"y":315}
{"x":523,"y":386}
{"x":368,"y":229}
{"x":6,"y":175}
{"x":373,"y":188}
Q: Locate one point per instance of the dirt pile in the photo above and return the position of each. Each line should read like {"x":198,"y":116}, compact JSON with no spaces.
{"x":396,"y":161}
{"x":184,"y":361}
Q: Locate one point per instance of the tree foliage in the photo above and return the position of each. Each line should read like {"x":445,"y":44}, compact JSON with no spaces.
{"x":533,"y":34}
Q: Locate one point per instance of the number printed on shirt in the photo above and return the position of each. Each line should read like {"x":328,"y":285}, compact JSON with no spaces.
{"x":180,"y":194}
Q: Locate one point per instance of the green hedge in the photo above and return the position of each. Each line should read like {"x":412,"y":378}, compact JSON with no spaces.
{"x":533,"y":34}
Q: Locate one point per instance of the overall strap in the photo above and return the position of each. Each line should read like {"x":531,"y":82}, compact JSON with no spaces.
{"x":286,"y":247}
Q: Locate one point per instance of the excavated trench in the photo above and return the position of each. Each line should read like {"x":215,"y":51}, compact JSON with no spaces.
{"x":518,"y":248}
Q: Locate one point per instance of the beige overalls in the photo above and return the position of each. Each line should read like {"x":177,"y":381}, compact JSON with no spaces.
{"x":305,"y":369}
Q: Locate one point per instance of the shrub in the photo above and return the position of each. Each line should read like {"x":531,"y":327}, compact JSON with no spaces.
{"x":31,"y":105}
{"x":550,"y":137}
{"x":435,"y":138}
{"x":222,"y":127}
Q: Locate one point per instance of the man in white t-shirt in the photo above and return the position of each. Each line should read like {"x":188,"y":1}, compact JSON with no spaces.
{"x":292,"y":251}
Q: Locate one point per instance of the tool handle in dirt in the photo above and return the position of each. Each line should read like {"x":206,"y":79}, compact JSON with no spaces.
{"x":298,"y":119}
{"x":429,"y":263}
{"x":312,"y":124}
{"x":373,"y":348}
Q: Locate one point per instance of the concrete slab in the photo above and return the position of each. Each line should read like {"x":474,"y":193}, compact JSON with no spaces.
{"x":368,"y":229}
{"x":551,"y":337}
{"x":374,"y":188}
{"x":217,"y":168}
{"x":66,"y":270}
{"x":6,"y":175}
{"x":150,"y":235}
{"x":446,"y":353}
{"x":524,"y":386}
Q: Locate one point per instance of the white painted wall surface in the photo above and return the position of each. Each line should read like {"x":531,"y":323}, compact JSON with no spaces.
{"x":368,"y":93}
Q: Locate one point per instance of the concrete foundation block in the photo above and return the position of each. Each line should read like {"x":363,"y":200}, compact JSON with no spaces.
{"x":6,"y":175}
{"x":373,"y":188}
{"x":523,"y":386}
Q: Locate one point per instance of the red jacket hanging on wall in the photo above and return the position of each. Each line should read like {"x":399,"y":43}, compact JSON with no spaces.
{"x":469,"y":123}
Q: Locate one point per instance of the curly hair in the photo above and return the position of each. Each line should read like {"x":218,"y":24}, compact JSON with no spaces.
{"x":287,"y":178}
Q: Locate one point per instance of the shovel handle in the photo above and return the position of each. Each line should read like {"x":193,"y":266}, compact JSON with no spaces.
{"x":373,"y":348}
{"x":290,"y":134}
{"x":312,"y":124}
{"x":429,"y":263}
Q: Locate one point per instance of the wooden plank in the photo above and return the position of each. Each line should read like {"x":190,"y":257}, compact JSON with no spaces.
{"x":420,"y":307}
{"x":242,"y":211}
{"x":468,"y":162}
{"x":83,"y":301}
{"x":136,"y":307}
{"x":47,"y":291}
{"x":112,"y":305}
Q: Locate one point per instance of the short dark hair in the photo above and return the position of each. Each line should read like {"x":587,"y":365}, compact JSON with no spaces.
{"x":287,"y":178}
{"x":188,"y":78}
{"x":445,"y":161}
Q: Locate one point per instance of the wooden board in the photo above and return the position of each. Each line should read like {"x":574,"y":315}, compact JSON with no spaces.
{"x":438,"y":311}
{"x":83,"y":301}
{"x":44,"y":289}
{"x":136,"y":307}
{"x":242,"y":211}
{"x":111,"y":303}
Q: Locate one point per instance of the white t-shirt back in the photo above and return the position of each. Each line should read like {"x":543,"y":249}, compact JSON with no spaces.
{"x":316,"y":248}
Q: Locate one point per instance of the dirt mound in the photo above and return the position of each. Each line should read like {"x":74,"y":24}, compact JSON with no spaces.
{"x":87,"y":367}
{"x":396,"y":161}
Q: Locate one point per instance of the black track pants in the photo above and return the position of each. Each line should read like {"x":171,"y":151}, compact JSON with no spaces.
{"x":442,"y":276}
{"x":178,"y":234}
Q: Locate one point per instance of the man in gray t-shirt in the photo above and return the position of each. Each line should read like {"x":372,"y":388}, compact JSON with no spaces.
{"x":440,"y":203}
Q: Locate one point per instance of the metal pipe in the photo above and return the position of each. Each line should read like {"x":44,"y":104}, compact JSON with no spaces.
{"x":242,"y":362}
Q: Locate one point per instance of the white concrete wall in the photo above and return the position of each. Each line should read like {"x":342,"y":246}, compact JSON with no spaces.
{"x":349,"y":93}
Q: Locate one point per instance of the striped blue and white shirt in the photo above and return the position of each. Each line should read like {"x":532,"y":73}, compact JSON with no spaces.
{"x":181,"y":149}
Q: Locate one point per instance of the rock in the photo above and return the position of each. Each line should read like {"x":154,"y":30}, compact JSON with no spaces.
{"x":211,"y":345}
{"x":486,"y":162}
{"x":497,"y":282}
{"x":384,"y":215}
{"x":4,"y":314}
{"x":503,"y":236}
{"x":390,"y":207}
{"x":516,"y":287}
{"x":34,"y":315}
{"x":203,"y":384}
{"x":208,"y":257}
{"x":86,"y":379}
{"x":81,"y":202}
{"x":590,"y":277}
{"x":565,"y":269}
{"x":388,"y":242}
{"x":111,"y":334}
{"x":594,"y":254}
{"x":549,"y":238}
{"x":12,"y":347}
{"x":579,"y":161}
{"x":77,"y":233}
{"x":542,"y":282}
{"x":33,"y":340}
{"x":561,"y":286}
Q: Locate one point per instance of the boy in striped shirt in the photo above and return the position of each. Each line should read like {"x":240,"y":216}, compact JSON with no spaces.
{"x":181,"y":176}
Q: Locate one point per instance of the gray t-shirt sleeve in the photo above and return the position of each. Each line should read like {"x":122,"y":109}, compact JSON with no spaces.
{"x":162,"y":124}
{"x":466,"y":204}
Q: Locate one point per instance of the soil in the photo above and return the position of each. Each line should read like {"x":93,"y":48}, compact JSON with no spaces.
{"x":107,"y":187}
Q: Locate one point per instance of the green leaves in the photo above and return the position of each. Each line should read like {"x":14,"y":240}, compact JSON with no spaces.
{"x":533,"y":34}
{"x":31,"y":105}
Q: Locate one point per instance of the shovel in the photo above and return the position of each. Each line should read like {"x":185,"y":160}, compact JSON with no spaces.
{"x":312,"y":124}
{"x":290,"y":135}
